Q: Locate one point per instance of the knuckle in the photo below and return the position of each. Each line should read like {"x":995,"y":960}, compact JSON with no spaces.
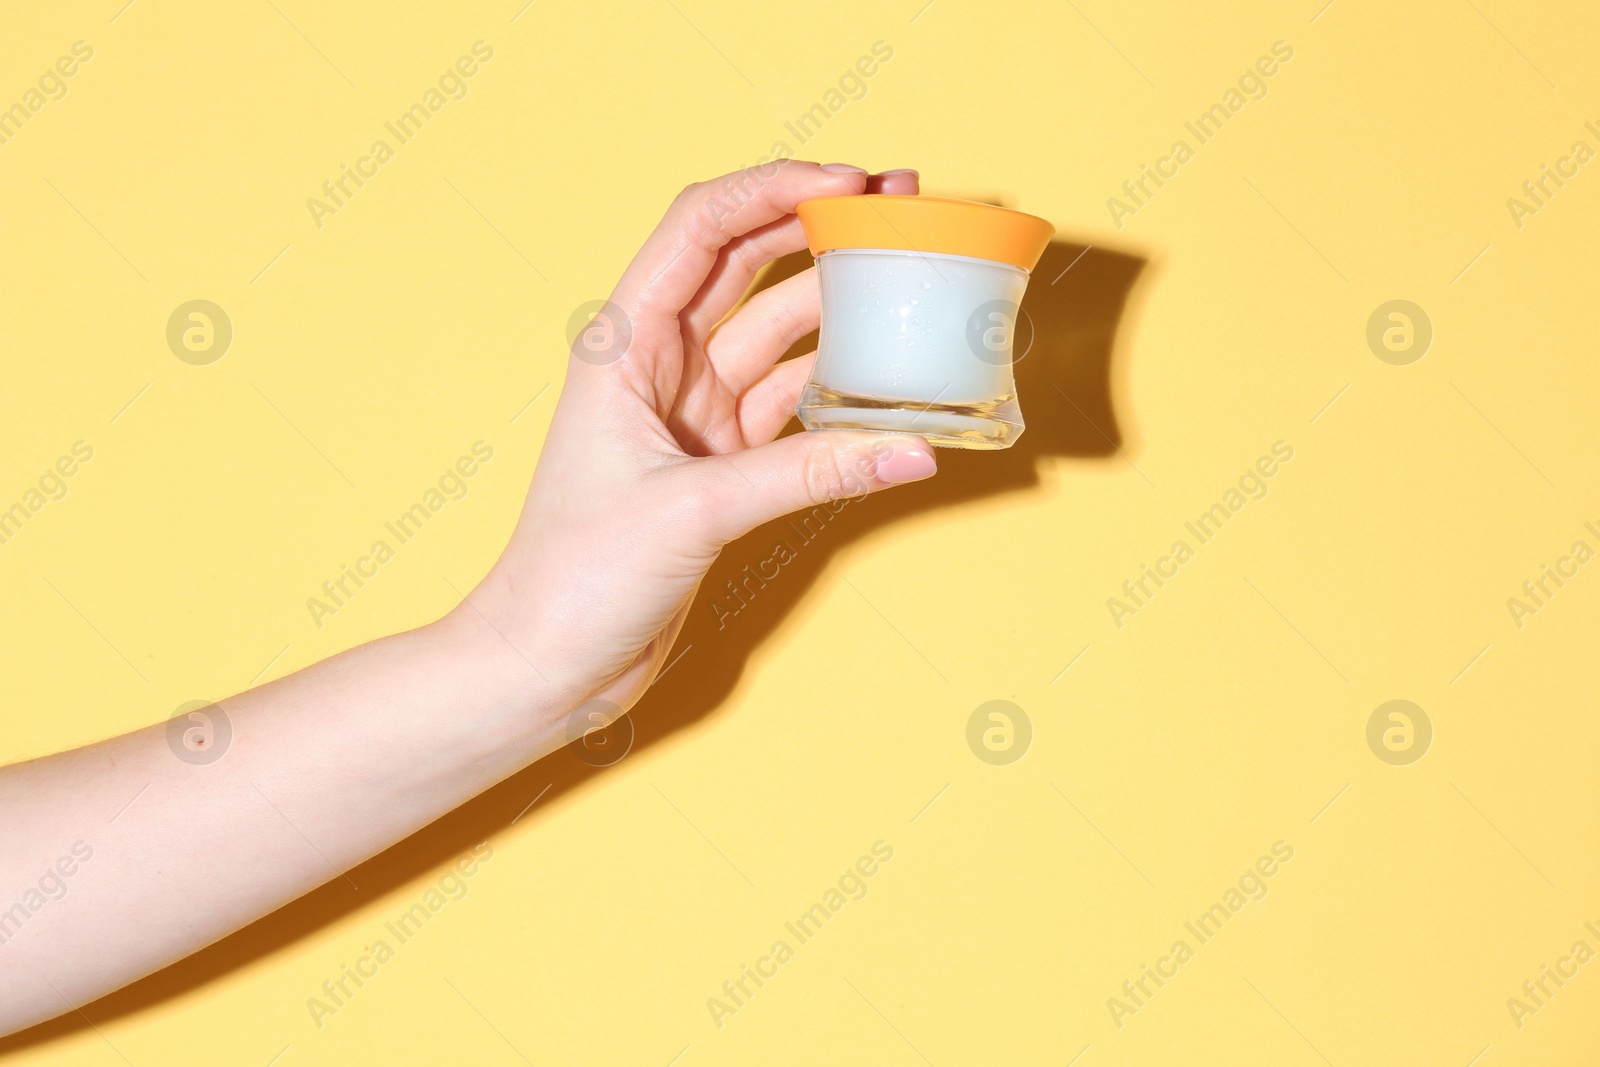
{"x":704,"y":224}
{"x":824,"y":477}
{"x":789,"y":324}
{"x":689,"y":202}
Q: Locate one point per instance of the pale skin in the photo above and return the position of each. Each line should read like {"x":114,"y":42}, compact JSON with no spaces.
{"x":653,"y":462}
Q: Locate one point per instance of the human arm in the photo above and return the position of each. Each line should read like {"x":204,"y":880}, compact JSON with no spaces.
{"x":660,"y":452}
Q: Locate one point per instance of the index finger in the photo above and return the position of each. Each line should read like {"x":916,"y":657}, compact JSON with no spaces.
{"x":678,"y":257}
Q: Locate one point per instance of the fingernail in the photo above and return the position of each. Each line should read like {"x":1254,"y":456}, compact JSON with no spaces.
{"x":842,"y":168}
{"x":903,"y":170}
{"x":906,"y":463}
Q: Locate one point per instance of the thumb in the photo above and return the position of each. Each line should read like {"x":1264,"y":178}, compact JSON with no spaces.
{"x":746,"y":489}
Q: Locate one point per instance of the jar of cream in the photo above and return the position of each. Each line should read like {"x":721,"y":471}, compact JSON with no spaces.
{"x":920,"y":297}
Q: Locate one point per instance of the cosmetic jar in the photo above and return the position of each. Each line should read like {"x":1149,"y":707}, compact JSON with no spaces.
{"x":920,"y":299}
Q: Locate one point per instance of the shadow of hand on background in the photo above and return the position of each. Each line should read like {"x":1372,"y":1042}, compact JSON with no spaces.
{"x":1067,"y":383}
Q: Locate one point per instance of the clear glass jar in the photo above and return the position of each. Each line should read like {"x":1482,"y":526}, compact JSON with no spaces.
{"x":918,"y":343}
{"x":920,"y":298}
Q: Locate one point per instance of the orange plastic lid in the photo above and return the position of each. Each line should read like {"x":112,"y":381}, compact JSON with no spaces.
{"x":925,"y":224}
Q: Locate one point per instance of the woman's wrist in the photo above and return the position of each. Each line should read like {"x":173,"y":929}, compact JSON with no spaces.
{"x":519,"y":700}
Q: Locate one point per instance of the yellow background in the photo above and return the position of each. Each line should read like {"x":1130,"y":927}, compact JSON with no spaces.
{"x":1225,"y":716}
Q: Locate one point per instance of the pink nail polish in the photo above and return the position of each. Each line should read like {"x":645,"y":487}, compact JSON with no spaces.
{"x":906,"y":463}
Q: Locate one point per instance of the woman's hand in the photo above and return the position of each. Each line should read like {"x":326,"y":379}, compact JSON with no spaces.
{"x":663,"y":449}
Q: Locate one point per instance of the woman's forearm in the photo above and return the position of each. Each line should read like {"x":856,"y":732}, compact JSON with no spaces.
{"x":323,"y":769}
{"x":127,"y":855}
